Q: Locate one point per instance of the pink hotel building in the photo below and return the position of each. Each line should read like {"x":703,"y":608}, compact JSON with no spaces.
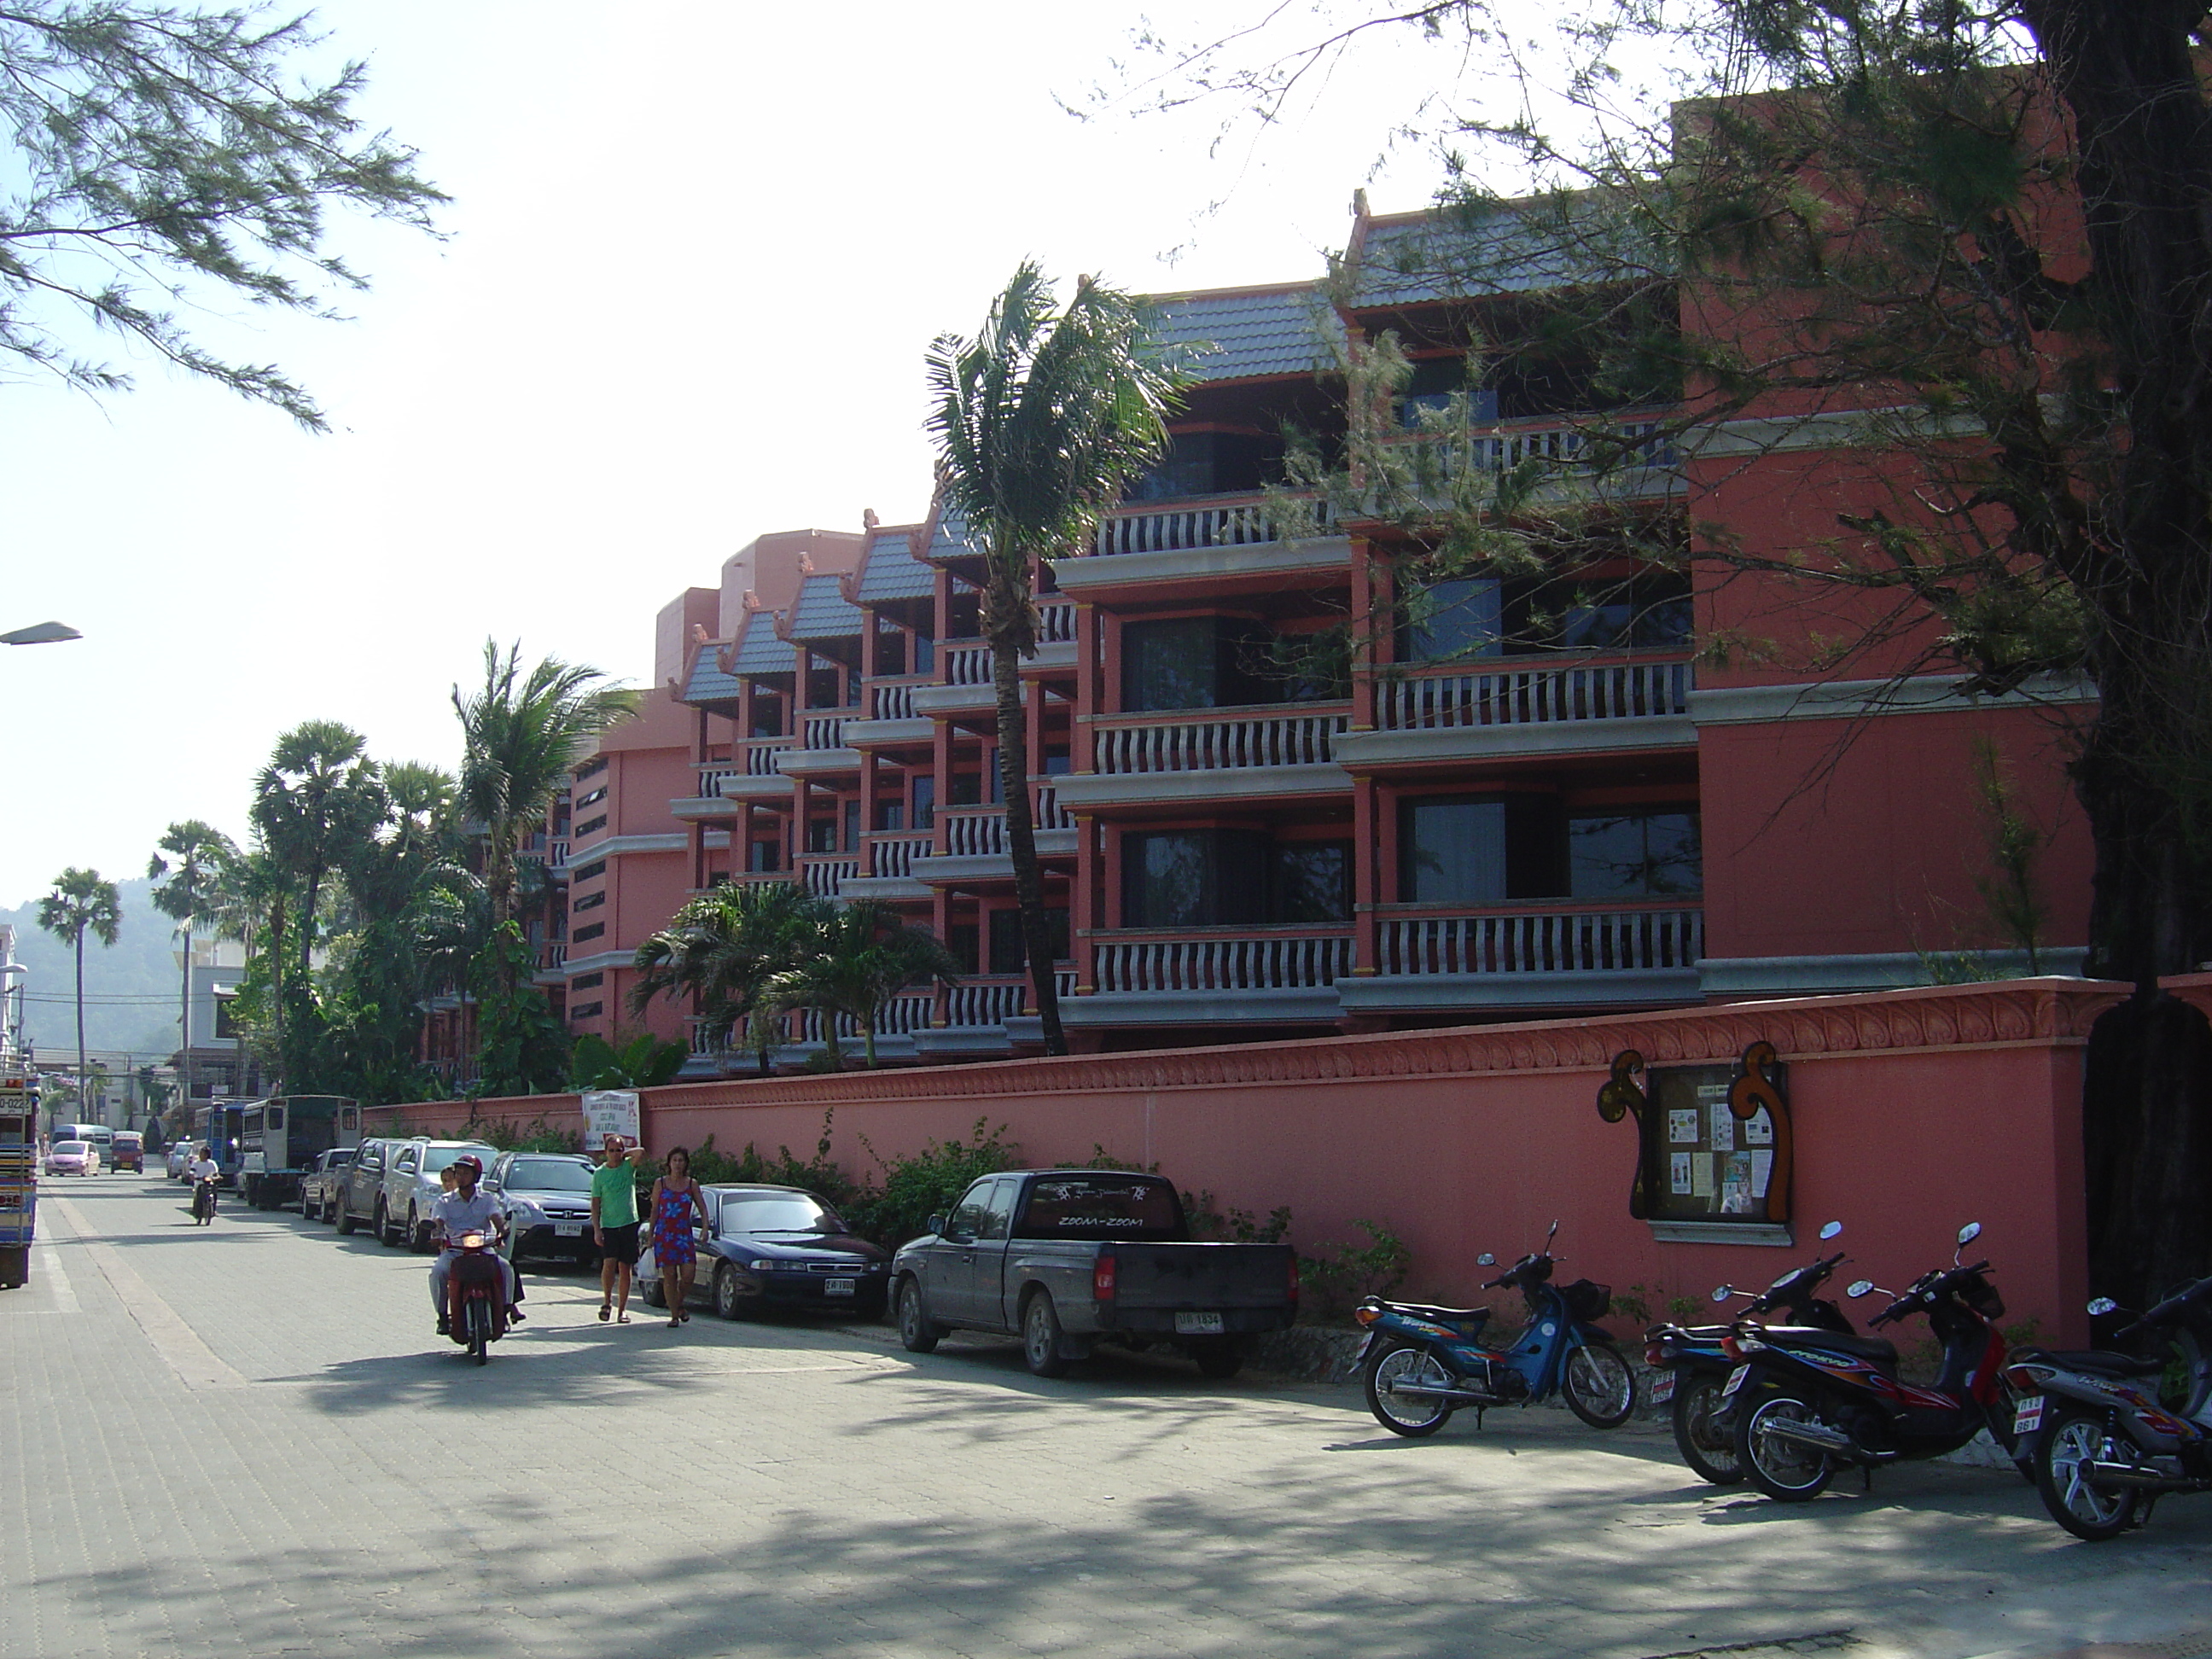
{"x":1473,"y":825}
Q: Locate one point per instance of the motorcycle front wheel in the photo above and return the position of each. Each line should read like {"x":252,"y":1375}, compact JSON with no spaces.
{"x":2075,"y":1440}
{"x":480,"y":1330}
{"x":1599,"y":1388}
{"x":1708,"y":1448}
{"x":1787,"y":1471}
{"x":1411,"y":1415}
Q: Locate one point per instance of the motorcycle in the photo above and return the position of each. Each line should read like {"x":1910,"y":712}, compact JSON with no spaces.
{"x":203,"y":1201}
{"x":2109,"y":1433}
{"x":1420,"y":1363}
{"x":1804,"y":1405}
{"x":1689,"y":1366}
{"x":475,"y":1295}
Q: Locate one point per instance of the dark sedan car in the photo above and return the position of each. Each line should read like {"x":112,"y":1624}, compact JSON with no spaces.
{"x":778,"y":1246}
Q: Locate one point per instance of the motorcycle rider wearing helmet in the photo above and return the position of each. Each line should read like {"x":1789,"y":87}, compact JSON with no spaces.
{"x":466,"y":1209}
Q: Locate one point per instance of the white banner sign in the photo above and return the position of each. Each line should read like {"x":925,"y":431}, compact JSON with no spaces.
{"x":609,"y":1112}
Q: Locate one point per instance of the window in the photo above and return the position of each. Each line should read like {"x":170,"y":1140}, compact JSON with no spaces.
{"x":1211,"y":464}
{"x":925,"y":654}
{"x":967,"y":789}
{"x":972,"y":1213}
{"x":590,"y":871}
{"x":890,"y":650}
{"x":591,"y":768}
{"x":1057,"y":762}
{"x":587,"y":981}
{"x":825,"y":687}
{"x":1170,"y":665}
{"x":963,"y":940}
{"x":890,"y":815}
{"x":593,"y":798}
{"x":1476,"y":850}
{"x":852,"y":826}
{"x":1009,"y":952}
{"x":925,"y":803}
{"x":821,"y":835}
{"x":998,"y":1209}
{"x":1462,"y":616}
{"x":1634,"y":855}
{"x":1430,"y":389}
{"x":589,"y":902}
{"x":592,"y":827}
{"x":1193,"y":878}
{"x":1310,"y":881}
{"x":766,"y":714}
{"x":584,"y":935}
{"x":589,"y":1011}
{"x":764,"y":857}
{"x":1101,"y":1206}
{"x":1648,"y":612}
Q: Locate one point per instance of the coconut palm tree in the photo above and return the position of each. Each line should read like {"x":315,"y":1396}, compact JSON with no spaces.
{"x":318,"y":797}
{"x":1041,"y":422}
{"x":189,"y":892}
{"x":722,"y":948}
{"x":861,"y":956}
{"x":521,"y":736}
{"x":83,"y":902}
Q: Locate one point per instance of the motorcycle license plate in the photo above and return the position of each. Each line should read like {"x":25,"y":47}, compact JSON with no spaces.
{"x":1735,"y":1381}
{"x":567,"y":1230}
{"x":2027,"y":1416}
{"x":1662,"y":1387}
{"x":839,"y":1286}
{"x":1366,"y":1343}
{"x":1198,"y":1324}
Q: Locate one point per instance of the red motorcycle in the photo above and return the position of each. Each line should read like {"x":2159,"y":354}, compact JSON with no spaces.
{"x":475,"y":1295}
{"x":1805,"y":1404}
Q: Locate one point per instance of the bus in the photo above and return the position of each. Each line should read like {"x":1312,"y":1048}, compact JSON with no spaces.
{"x":279,"y":1137}
{"x":217,"y":1127}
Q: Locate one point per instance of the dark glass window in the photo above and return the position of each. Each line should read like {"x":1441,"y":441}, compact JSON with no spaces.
{"x":1463,"y":616}
{"x":1650,"y":611}
{"x":925,"y":654}
{"x":1009,"y":954}
{"x":967,"y":789}
{"x":821,"y":835}
{"x":1476,"y":850}
{"x":962,"y":938}
{"x":825,"y":687}
{"x":925,"y":803}
{"x":852,"y":826}
{"x":891,"y":651}
{"x":890,"y":815}
{"x":1200,"y":662}
{"x":1211,"y":464}
{"x":1193,"y":878}
{"x":1634,"y":855}
{"x":768,"y":714}
{"x":1430,"y":388}
{"x":1057,"y":762}
{"x":764,"y":857}
{"x":1312,"y":881}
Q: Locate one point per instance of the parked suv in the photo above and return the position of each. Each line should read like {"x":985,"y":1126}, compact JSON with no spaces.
{"x":324,"y":1184}
{"x":547,"y":1199}
{"x":411,"y":1187}
{"x":360,"y":1187}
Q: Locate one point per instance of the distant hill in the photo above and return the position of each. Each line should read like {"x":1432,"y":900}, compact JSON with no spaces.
{"x":130,"y":990}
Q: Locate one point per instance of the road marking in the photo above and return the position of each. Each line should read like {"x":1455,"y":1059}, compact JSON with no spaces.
{"x":51,"y":1272}
{"x":178,"y":1344}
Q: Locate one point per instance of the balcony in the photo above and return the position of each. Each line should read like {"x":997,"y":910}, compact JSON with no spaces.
{"x":822,"y":752}
{"x":1627,"y":460}
{"x":974,"y":841}
{"x":723,"y":784}
{"x":823,"y":874}
{"x":1209,"y":755}
{"x":1523,"y":957}
{"x":1205,"y":976}
{"x":1456,"y":713}
{"x":890,"y":858}
{"x":964,"y":686}
{"x":1211,"y":537}
{"x":892,"y":722}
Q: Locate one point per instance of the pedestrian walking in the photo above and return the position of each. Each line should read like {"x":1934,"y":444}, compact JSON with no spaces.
{"x":614,"y":1225}
{"x":675,"y":1198}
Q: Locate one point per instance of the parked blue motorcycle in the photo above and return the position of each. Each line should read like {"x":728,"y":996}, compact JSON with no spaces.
{"x":1421,"y":1363}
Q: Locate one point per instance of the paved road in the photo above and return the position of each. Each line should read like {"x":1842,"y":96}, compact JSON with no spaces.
{"x":242,"y":1440}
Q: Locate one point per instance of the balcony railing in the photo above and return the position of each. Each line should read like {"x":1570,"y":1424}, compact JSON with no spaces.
{"x":710,"y":1037}
{"x":891,"y":857}
{"x":980,"y":832}
{"x":823,"y":874}
{"x":993,"y":999}
{"x":894,"y":700}
{"x":965,"y":663}
{"x":553,"y":956}
{"x":908,"y":1012}
{"x":711,"y":777}
{"x":557,"y":852}
{"x":1580,"y":941}
{"x":827,"y":731}
{"x":1185,"y":743}
{"x":760,"y":756}
{"x":1055,"y":621}
{"x":1242,"y":521}
{"x":1533,"y":696}
{"x":1271,"y":960}
{"x":1582,"y":445}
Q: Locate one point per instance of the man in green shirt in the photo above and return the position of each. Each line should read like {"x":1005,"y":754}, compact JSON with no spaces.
{"x":614,"y":1225}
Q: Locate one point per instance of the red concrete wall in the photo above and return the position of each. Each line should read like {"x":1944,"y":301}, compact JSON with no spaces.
{"x":1914,"y":1111}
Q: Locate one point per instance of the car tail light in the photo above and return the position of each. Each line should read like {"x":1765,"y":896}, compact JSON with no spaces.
{"x":1102,"y":1275}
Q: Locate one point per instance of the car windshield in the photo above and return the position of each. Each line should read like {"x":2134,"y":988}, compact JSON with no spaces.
{"x":69,"y":1147}
{"x":779,"y":1213}
{"x":436,"y":1158}
{"x":1101,"y":1206}
{"x":549,"y":1175}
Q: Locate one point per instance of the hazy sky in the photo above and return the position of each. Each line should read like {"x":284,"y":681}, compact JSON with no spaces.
{"x":695,"y":254}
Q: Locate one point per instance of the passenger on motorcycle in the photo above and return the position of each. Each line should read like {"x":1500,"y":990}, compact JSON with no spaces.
{"x":465,"y":1210}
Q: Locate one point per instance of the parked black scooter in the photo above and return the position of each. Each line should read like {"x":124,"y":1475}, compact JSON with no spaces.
{"x":1691,"y":1367}
{"x":2108,"y":1433}
{"x":1809,"y":1404}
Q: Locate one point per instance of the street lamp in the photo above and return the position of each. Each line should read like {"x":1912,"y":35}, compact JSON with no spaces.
{"x":45,"y":633}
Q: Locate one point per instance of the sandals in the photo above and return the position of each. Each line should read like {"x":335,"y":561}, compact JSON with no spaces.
{"x":605,"y":1308}
{"x":622,"y":1319}
{"x":673,"y":1324}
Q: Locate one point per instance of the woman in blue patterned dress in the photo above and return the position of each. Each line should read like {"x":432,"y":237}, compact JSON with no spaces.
{"x":675,"y":1196}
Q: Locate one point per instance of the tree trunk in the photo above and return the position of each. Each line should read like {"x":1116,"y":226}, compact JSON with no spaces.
{"x":83,"y":1080}
{"x":1007,"y":639}
{"x":185,"y":1024}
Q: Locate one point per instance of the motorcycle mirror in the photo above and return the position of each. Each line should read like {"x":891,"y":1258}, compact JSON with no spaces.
{"x":1831,"y":1230}
{"x":1722,"y":1292}
{"x":1858,"y":1287}
{"x":1486,"y":1259}
{"x":1550,"y":1236}
{"x":1969,"y":1233}
{"x":2104,"y":1305}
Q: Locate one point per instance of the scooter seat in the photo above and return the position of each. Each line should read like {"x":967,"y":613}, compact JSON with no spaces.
{"x":2102,"y":1361}
{"x":1879,"y":1349}
{"x":1441,"y":1315}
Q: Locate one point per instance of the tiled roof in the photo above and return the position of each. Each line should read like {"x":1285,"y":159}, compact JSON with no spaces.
{"x":949,"y":540}
{"x":1510,"y":250}
{"x":893,"y":573}
{"x":1242,"y":336}
{"x":759,"y":651}
{"x":822,"y":612}
{"x":708,"y":683}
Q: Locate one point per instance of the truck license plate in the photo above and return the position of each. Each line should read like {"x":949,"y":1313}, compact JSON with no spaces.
{"x":839,"y":1286}
{"x":1198,"y":1324}
{"x":1662,"y":1387}
{"x":567,"y":1230}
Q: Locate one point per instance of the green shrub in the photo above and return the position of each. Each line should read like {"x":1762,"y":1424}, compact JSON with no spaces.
{"x":926,"y":1184}
{"x":538,"y":1137}
{"x":1331,"y":1285}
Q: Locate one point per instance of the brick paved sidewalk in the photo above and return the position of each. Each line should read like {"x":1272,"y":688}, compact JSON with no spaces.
{"x":243,"y":1440}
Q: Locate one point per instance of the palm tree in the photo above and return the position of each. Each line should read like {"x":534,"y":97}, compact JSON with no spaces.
{"x":722,"y":947}
{"x":319,"y":796}
{"x":189,"y":892}
{"x":521,"y":736}
{"x":1041,"y":422}
{"x":83,"y":902}
{"x":862,"y":955}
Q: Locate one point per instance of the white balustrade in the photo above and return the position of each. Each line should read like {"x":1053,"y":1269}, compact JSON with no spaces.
{"x":556,"y":955}
{"x":760,"y":759}
{"x":1055,"y":621}
{"x":985,"y":1001}
{"x":826,"y":730}
{"x":1541,"y":942}
{"x":1453,"y":452}
{"x":823,"y":876}
{"x":1262,"y":963}
{"x":1189,"y":744}
{"x":711,"y":779}
{"x":557,"y":852}
{"x":1051,"y":814}
{"x":892,"y":856}
{"x":710,"y":1037}
{"x":1536,"y":696}
{"x":975,"y":834}
{"x":966,"y":664}
{"x":891,"y":702}
{"x":1170,"y":528}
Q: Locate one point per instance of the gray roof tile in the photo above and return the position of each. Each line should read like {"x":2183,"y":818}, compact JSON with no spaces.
{"x":1244,"y":336}
{"x":822,"y":612}
{"x":708,"y":683}
{"x":759,"y":650}
{"x":1510,"y":249}
{"x":893,"y":573}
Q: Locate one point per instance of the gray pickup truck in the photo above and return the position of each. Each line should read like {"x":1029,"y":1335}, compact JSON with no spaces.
{"x":1070,"y":1258}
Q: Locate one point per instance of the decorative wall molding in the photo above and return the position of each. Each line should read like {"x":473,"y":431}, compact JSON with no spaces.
{"x":1837,"y":700}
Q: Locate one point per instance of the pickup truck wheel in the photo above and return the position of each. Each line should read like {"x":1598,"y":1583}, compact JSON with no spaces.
{"x":418,"y":1231}
{"x":1218,"y":1360}
{"x":345,"y":1220}
{"x":382,"y":1228}
{"x":916,"y":1334}
{"x":1041,"y":1336}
